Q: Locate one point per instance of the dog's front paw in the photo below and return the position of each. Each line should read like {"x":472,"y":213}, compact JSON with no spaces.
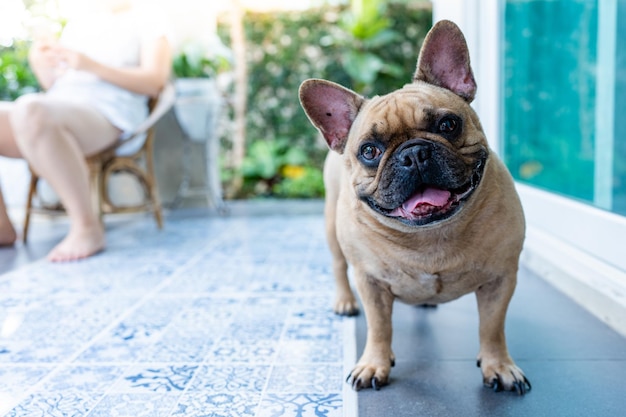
{"x":370,"y":375}
{"x":504,"y":376}
{"x":346,"y":305}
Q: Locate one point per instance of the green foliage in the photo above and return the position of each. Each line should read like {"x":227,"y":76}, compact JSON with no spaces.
{"x":309,"y":184}
{"x":16,"y":78}
{"x":368,"y":30}
{"x":266,"y":158}
{"x":372,"y":51}
{"x":375,"y":54}
{"x":184,"y":68}
{"x":276,"y":168}
{"x":196,"y":60}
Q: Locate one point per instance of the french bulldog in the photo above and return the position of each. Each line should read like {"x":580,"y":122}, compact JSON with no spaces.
{"x":419,"y":205}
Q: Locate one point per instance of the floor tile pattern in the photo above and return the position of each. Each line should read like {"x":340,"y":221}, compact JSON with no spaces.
{"x":208,"y":317}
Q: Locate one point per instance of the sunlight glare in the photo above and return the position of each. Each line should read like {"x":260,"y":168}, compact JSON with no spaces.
{"x":11,"y":16}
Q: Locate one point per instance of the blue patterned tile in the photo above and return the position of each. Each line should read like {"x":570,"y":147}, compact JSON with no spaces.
{"x":129,"y":339}
{"x":56,"y":404}
{"x":161,"y":379}
{"x":13,"y":379}
{"x":255,"y":329}
{"x":230,"y":379}
{"x":36,"y":351}
{"x":209,"y":317}
{"x":304,"y":352}
{"x":314,"y":378}
{"x":218,"y":404}
{"x":83,"y":378}
{"x":135,"y":405}
{"x":313,"y":331}
{"x":243,"y":351}
{"x":301,"y":405}
{"x":178,"y":348}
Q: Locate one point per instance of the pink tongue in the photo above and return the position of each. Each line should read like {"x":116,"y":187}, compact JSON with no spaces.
{"x":431,"y":196}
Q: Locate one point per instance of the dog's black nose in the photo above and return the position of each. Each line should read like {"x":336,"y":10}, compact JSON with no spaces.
{"x":414,"y":155}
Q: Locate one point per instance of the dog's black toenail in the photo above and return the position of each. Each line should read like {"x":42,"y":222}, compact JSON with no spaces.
{"x":527,"y":382}
{"x":375,"y":384}
{"x":497,"y":383}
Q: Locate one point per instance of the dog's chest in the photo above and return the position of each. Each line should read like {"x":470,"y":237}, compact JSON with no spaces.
{"x":412,"y":278}
{"x":414,"y":286}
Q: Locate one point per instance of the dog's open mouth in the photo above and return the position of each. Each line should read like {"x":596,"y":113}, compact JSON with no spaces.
{"x":429,"y":204}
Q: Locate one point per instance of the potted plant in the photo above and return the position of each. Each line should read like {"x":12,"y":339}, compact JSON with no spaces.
{"x":196,"y":67}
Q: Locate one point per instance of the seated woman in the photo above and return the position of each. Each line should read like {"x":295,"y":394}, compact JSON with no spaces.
{"x":97,"y":79}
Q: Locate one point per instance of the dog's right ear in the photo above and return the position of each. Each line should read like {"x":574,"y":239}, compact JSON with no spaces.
{"x":331,"y":108}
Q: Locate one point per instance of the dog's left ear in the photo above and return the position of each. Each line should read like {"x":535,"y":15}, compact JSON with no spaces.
{"x":331,"y":108}
{"x":444,"y":61}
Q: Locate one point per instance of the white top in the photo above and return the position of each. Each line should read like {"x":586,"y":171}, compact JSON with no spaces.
{"x":114,"y":40}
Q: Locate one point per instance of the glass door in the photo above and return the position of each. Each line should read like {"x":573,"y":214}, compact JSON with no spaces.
{"x":564,"y":95}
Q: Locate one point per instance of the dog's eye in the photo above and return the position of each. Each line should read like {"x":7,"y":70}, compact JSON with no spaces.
{"x":448,"y":125}
{"x":370,"y":152}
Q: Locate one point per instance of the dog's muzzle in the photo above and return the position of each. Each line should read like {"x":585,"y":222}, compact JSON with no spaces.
{"x":432,"y":192}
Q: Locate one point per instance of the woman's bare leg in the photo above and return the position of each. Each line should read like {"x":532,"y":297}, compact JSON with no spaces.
{"x":7,"y":148}
{"x":54,"y":136}
{"x":7,"y":232}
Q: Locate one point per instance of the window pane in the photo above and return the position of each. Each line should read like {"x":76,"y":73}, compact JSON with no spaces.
{"x":619,"y":162}
{"x":549,"y":94}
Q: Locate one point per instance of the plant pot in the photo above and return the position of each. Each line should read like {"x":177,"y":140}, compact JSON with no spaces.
{"x":197,"y":107}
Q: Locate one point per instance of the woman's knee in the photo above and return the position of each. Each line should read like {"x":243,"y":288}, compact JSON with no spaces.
{"x":32,"y":119}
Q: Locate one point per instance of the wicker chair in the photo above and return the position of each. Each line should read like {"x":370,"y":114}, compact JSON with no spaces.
{"x":132,"y":154}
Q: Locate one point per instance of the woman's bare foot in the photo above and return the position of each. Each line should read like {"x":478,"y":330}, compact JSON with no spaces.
{"x":7,"y":233}
{"x":80,"y":243}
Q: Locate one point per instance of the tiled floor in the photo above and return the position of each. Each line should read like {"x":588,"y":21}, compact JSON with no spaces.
{"x":209,"y":317}
{"x":231,"y":317}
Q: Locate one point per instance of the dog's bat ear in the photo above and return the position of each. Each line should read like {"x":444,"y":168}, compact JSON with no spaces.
{"x":444,"y":61}
{"x":331,"y":108}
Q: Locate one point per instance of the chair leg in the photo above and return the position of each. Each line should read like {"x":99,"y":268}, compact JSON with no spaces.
{"x":32,"y":190}
{"x":153,"y":192}
{"x":97,"y":188}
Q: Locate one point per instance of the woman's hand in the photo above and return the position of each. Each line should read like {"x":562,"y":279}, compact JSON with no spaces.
{"x":44,"y":52}
{"x":46,"y":62}
{"x":49,"y":60}
{"x":148,"y":78}
{"x":69,"y":58}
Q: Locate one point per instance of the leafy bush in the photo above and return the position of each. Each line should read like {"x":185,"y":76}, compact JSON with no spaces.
{"x":372,"y":54}
{"x":285,"y":48}
{"x":300,"y":182}
{"x":16,"y":78}
{"x":198,"y":60}
{"x":275,"y":168}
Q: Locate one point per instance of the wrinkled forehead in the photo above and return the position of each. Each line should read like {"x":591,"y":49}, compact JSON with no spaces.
{"x":412,"y":108}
